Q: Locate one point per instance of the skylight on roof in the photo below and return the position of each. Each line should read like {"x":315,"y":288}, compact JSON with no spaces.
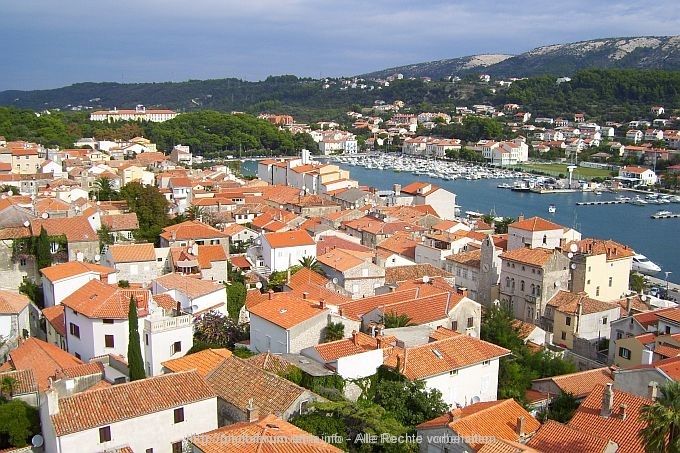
{"x":437,"y":353}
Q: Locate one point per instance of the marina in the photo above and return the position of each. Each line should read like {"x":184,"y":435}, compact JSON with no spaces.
{"x":603,"y":216}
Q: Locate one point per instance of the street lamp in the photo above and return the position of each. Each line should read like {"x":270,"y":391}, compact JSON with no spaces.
{"x":667,"y":273}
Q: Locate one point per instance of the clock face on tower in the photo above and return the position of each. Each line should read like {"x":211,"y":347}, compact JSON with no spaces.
{"x":485,"y":267}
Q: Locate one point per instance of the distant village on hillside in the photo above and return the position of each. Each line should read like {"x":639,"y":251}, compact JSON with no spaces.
{"x":341,"y":283}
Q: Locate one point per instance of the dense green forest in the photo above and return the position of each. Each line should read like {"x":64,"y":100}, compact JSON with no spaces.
{"x":614,"y":95}
{"x":208,"y":133}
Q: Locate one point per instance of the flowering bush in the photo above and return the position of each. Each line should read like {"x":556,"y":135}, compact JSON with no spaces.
{"x":219,"y":330}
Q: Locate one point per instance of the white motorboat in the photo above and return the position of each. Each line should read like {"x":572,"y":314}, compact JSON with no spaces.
{"x":643,"y":265}
{"x":552,"y":209}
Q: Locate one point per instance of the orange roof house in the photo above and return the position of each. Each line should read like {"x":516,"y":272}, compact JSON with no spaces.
{"x":482,"y":423}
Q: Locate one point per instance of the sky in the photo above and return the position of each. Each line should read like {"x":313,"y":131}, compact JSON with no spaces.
{"x":50,"y":44}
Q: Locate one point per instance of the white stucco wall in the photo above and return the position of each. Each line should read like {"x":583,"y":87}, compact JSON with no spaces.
{"x":161,"y":431}
{"x":461,"y":387}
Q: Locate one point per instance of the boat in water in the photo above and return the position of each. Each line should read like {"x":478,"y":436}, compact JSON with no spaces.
{"x":552,"y":209}
{"x":638,"y":201}
{"x":643,"y":265}
{"x":662,"y":213}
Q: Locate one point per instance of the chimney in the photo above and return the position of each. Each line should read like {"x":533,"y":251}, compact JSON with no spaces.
{"x":520,"y":218}
{"x":521,"y":424}
{"x":652,"y":390}
{"x":252,"y":414}
{"x":629,"y":304}
{"x":607,"y":401}
{"x":355,"y":334}
{"x":304,"y":295}
{"x":270,"y":294}
{"x":379,"y":342}
{"x":622,"y":411}
{"x":322,"y":303}
{"x":52,"y":400}
{"x":463,"y":291}
{"x":647,"y":357}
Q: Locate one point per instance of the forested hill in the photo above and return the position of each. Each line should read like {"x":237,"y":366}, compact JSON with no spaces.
{"x":308,"y":99}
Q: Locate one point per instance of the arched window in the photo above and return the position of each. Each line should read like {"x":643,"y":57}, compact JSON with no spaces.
{"x":533,"y":289}
{"x":507,"y":282}
{"x":545,"y":239}
{"x":521,"y":285}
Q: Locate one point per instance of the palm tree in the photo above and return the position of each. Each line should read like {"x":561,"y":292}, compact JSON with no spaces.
{"x":334,"y":331}
{"x":104,"y":188}
{"x":7,"y":386}
{"x":661,"y":433}
{"x":194,"y":212}
{"x":637,"y":282}
{"x":312,"y":264}
{"x":393,"y":320}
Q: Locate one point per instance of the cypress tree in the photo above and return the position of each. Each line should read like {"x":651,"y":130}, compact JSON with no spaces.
{"x":43,"y":254}
{"x":135,"y":360}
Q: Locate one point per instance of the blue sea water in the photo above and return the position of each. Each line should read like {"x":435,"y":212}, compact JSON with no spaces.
{"x":624,"y":223}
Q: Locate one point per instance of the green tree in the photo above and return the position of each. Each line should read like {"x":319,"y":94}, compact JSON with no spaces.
{"x":236,"y":298}
{"x":151,"y":208}
{"x":33,"y":291}
{"x":409,"y":402}
{"x":7,"y":386}
{"x":333,"y":331}
{"x":637,"y":282}
{"x":194,"y":212}
{"x":661,"y":433}
{"x":561,"y":409}
{"x":104,"y":189}
{"x":393,"y":320}
{"x":312,"y":264}
{"x":135,"y":360}
{"x":18,"y":423}
{"x":43,"y":254}
{"x":219,"y":331}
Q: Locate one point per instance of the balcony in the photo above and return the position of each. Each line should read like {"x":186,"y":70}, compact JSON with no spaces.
{"x":533,"y":299}
{"x":163,"y":324}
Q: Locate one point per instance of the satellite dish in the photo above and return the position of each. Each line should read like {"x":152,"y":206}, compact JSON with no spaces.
{"x":335,"y":280}
{"x":475,"y":399}
{"x":558,"y":284}
{"x":573,"y":265}
{"x":194,"y":308}
{"x":37,"y":440}
{"x":426,"y":279}
{"x":570,"y":255}
{"x":44,"y":215}
{"x":258,"y":285}
{"x":573,"y":247}
{"x":97,"y":257}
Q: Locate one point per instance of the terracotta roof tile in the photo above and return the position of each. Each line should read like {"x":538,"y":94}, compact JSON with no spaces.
{"x":76,"y":229}
{"x":306,"y":275}
{"x":444,"y":355}
{"x":191,"y":230}
{"x":623,"y":431}
{"x":288,"y":438}
{"x":88,"y":410}
{"x":340,"y":260}
{"x":554,"y":436}
{"x":581,"y":383}
{"x":121,"y":222}
{"x":55,"y":316}
{"x":43,"y":358}
{"x":360,"y":342}
{"x":165,"y":301}
{"x":568,"y":302}
{"x":25,"y":381}
{"x":506,"y":446}
{"x":236,"y":381}
{"x":286,"y":310}
{"x":203,"y":361}
{"x":403,"y":273}
{"x":354,"y":309}
{"x":12,"y":303}
{"x":289,"y":239}
{"x":98,"y":300}
{"x":535,"y":257}
{"x":494,"y":419}
{"x":535,"y":224}
{"x":193,"y":287}
{"x":132,"y":253}
{"x":61,"y":271}
{"x":240,"y":261}
{"x":273,"y":363}
{"x":613,"y":250}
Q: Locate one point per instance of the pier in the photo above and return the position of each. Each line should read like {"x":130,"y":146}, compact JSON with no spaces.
{"x":598,"y":203}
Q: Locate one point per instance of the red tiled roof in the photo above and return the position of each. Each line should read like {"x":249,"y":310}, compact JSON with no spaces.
{"x":88,"y":410}
{"x":581,"y":383}
{"x":61,"y":271}
{"x":190,"y":286}
{"x":203,"y":361}
{"x":98,"y":300}
{"x":623,"y":431}
{"x":131,"y":253}
{"x":538,"y":257}
{"x":289,"y":239}
{"x":191,"y":230}
{"x":535,"y":224}
{"x":55,"y":316}
{"x":12,"y":303}
{"x":288,"y":438}
{"x":437,"y":357}
{"x":554,"y":436}
{"x":43,"y":358}
{"x":286,"y":310}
